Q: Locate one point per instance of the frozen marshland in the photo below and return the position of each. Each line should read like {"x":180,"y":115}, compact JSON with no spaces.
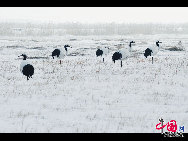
{"x":83,"y":94}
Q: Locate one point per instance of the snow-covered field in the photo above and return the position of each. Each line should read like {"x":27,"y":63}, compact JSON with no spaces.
{"x":83,"y":94}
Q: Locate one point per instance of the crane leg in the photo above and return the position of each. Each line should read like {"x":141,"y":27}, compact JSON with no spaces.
{"x":152,"y":60}
{"x":103,"y":59}
{"x":121,"y":64}
{"x":60,"y":61}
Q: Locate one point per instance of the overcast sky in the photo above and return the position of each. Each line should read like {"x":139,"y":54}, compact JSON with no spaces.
{"x":95,"y":14}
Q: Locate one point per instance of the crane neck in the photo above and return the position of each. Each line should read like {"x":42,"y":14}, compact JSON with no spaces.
{"x":130,"y":44}
{"x":24,"y":57}
{"x":65,"y":48}
{"x":157,"y":44}
{"x":130,"y":49}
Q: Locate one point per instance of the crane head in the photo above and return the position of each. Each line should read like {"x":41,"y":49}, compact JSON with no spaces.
{"x":24,"y":56}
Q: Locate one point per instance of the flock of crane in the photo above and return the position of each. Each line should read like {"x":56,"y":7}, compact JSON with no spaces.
{"x":124,"y":53}
{"x":28,"y":70}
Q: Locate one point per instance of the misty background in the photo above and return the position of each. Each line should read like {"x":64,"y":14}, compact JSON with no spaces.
{"x":54,"y":29}
{"x":59,"y":21}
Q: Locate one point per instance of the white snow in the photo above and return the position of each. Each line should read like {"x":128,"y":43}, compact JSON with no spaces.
{"x":83,"y":94}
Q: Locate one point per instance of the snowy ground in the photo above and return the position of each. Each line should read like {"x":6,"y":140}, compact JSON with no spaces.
{"x":85,"y":95}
